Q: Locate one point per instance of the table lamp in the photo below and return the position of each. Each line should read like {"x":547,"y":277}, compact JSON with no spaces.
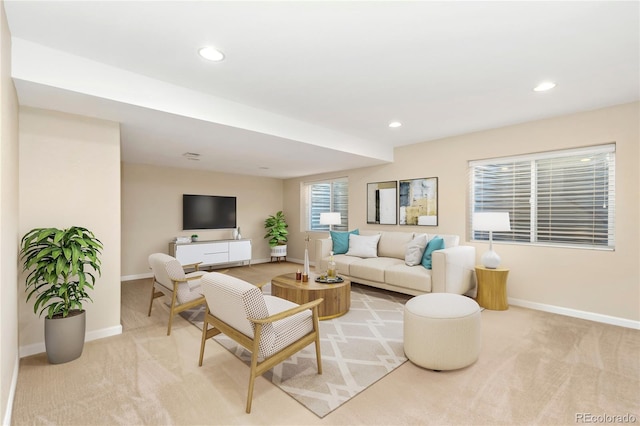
{"x":331,"y":218}
{"x":491,"y":221}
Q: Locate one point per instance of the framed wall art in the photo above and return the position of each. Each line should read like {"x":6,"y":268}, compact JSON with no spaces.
{"x":419,"y":201}
{"x":382,"y":204}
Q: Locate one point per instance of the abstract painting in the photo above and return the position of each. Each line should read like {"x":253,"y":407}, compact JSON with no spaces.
{"x":382,"y":204}
{"x":419,"y":201}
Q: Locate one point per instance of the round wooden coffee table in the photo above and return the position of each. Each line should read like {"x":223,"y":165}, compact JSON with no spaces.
{"x":337,"y":297}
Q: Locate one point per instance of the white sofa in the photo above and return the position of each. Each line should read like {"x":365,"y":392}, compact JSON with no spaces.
{"x":452,"y":267}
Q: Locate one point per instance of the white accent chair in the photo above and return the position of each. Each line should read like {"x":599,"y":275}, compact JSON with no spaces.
{"x":169,"y":279}
{"x":271,"y":328}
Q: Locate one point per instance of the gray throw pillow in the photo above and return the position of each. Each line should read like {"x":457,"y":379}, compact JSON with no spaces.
{"x":415,"y":250}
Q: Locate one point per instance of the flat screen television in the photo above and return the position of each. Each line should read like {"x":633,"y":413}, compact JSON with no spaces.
{"x":208,"y":212}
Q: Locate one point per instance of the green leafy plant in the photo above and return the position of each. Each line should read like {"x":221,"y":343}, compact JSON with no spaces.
{"x":276,"y":226}
{"x":58,"y":260}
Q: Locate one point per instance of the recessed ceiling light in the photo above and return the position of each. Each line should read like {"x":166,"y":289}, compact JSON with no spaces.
{"x":395,"y":124}
{"x":211,"y":53}
{"x":544,"y":86}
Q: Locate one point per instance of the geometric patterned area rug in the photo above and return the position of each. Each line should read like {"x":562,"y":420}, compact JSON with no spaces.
{"x":358,"y":349}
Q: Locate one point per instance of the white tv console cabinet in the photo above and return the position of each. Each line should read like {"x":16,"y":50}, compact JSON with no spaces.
{"x":212,"y":253}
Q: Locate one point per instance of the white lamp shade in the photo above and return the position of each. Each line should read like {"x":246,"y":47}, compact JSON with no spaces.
{"x":330,"y":219}
{"x":491,"y":221}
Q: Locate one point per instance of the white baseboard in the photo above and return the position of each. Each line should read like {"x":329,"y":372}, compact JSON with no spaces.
{"x":103,"y":332}
{"x":591,"y":316}
{"x":38,"y":348}
{"x":136,"y":277}
{"x":6,"y":420}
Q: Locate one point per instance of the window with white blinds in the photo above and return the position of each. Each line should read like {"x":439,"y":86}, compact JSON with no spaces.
{"x":555,"y":198}
{"x":323,"y":197}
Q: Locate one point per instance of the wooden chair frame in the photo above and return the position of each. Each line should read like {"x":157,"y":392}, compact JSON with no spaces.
{"x":174,"y":307}
{"x":259,"y":368}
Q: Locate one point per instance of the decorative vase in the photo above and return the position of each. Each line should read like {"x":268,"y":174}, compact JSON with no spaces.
{"x":239,"y":236}
{"x":331,"y":267}
{"x":64,"y":337}
{"x":235,"y":233}
{"x":306,"y":256}
{"x":306,"y":262}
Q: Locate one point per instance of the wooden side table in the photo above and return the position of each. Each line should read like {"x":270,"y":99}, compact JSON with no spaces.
{"x":492,"y":288}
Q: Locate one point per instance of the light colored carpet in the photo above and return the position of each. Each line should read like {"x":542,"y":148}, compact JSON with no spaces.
{"x":535,"y":368}
{"x":358,"y":349}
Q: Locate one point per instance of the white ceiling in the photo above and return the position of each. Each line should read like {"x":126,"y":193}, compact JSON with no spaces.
{"x":309,"y":87}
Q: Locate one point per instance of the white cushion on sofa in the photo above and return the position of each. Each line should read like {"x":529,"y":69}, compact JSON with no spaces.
{"x":372,"y":269}
{"x":343,"y":263}
{"x":411,"y":277}
{"x":449,"y":240}
{"x":415,"y":250}
{"x":363,"y":245}
{"x":394,"y":244}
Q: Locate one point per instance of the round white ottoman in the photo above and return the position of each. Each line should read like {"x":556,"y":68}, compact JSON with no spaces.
{"x":442,"y":331}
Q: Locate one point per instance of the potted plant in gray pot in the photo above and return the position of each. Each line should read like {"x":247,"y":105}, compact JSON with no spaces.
{"x":62,"y":263}
{"x":276,"y":226}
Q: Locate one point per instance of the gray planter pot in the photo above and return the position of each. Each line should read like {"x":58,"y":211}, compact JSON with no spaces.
{"x":64,"y":337}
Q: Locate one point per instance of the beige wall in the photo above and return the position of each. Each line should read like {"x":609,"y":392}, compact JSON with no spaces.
{"x":8,"y":224}
{"x":601,"y":282}
{"x":152,"y":209}
{"x":70,"y":175}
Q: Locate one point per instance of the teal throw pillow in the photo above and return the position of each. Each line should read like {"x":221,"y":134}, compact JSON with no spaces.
{"x":437,"y":243}
{"x":341,"y":240}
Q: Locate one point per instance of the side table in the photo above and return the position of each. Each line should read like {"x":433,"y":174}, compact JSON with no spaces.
{"x":492,"y":288}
